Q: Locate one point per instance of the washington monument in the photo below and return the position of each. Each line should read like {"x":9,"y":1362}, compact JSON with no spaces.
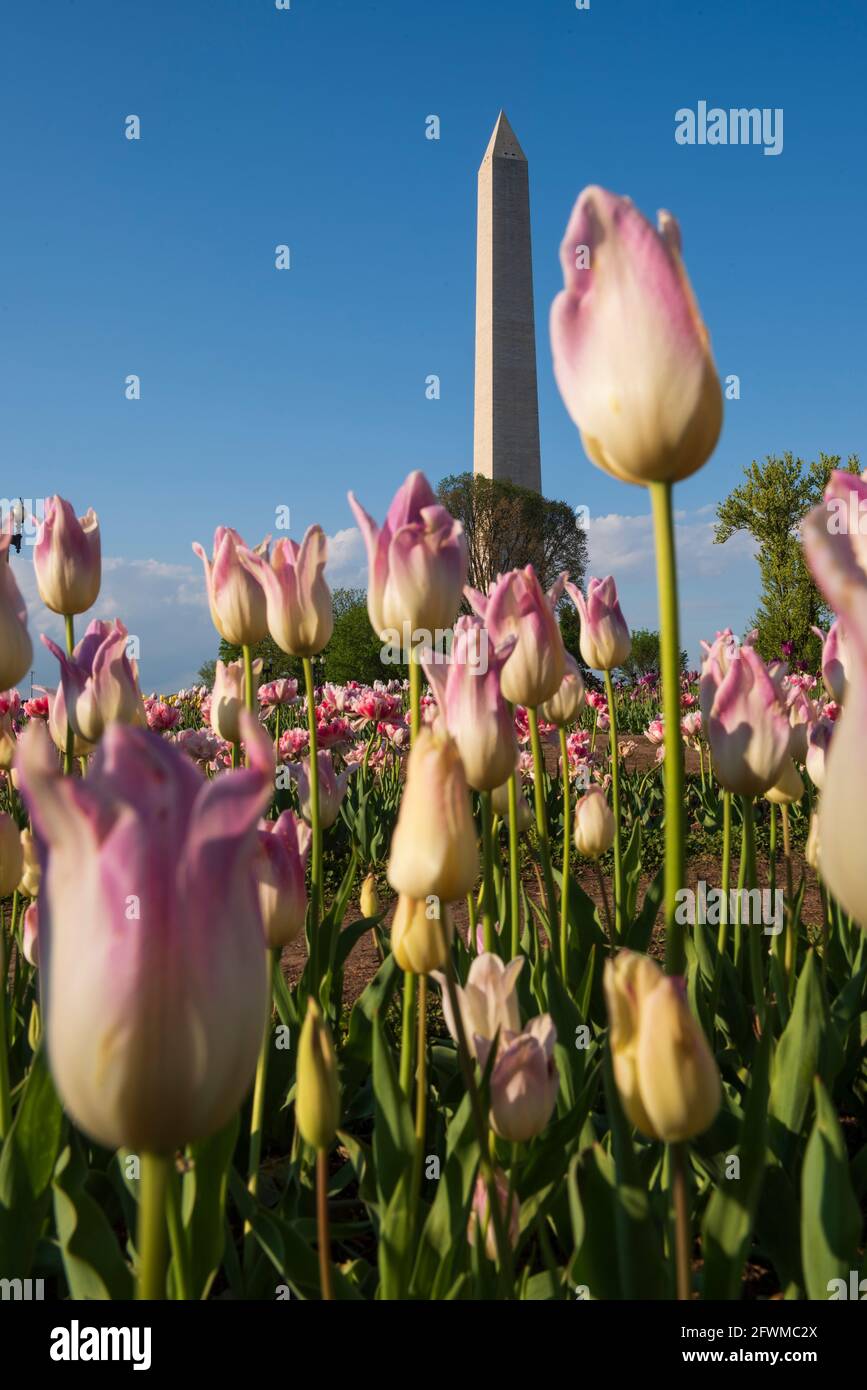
{"x":506,"y":435}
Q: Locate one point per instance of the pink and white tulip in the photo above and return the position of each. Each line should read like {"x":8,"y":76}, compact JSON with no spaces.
{"x":151,"y":948}
{"x":746,"y":724}
{"x":605,"y":640}
{"x":67,"y":558}
{"x":297,"y":598}
{"x":100,"y":682}
{"x":472,"y":705}
{"x":417,"y":562}
{"x":516,"y":606}
{"x":236,"y":600}
{"x":632,"y":356}
{"x":279,"y":869}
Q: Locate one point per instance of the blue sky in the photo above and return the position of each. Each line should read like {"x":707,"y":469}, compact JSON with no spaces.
{"x":262,"y":388}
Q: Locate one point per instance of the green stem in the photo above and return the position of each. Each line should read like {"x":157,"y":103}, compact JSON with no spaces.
{"x":409,"y":990}
{"x":682,"y":1229}
{"x":406,"y":1034}
{"x":722,"y":936}
{"x":790,"y":903}
{"x":615,"y":804}
{"x":488,"y":870}
{"x":567,"y":843}
{"x":542,"y":826}
{"x":420,"y":1094}
{"x":69,"y":753}
{"x":152,"y":1241}
{"x":323,"y":1233}
{"x":257,"y":1123}
{"x":180,"y":1254}
{"x":669,"y":642}
{"x":754,"y":929}
{"x":514,"y":866}
{"x":316,"y":858}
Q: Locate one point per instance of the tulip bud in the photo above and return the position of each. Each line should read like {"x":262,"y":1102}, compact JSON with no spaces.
{"x":605,"y":640}
{"x":666,"y":1076}
{"x":421,"y":935}
{"x":518,"y":609}
{"x":317,"y":1092}
{"x":100,"y":682}
{"x":677,"y":1075}
{"x":11,"y":855}
{"x":279,"y":869}
{"x":564,"y":707}
{"x":58,"y":725}
{"x":297,"y":598}
{"x":369,"y":898}
{"x":747,"y":727}
{"x":34,"y":1028}
{"x":332,"y":788}
{"x":417,"y":561}
{"x":500,"y":803}
{"x":66,"y":558}
{"x":481,"y":1219}
{"x":472,"y":704}
{"x":835,"y":661}
{"x":812,"y":849}
{"x":16,"y":649}
{"x":154,"y":990}
{"x":235,"y":596}
{"x":624,"y":330}
{"x":434,"y":852}
{"x":31,"y":873}
{"x":228,"y":698}
{"x":788,"y":787}
{"x":31,"y":934}
{"x":818,"y":743}
{"x":524,"y":1081}
{"x":594,"y":824}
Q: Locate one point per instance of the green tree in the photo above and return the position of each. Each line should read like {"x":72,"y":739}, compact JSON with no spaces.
{"x":352,"y":652}
{"x":508,"y":527}
{"x":769,"y":505}
{"x":207,"y":671}
{"x":644,"y":656}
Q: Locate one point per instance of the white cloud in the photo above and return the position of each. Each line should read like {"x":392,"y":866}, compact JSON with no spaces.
{"x":718,"y":584}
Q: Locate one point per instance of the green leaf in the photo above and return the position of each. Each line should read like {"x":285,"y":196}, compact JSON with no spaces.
{"x":393,"y":1134}
{"x":203,"y":1205}
{"x":797,"y":1061}
{"x":26,"y":1165}
{"x":92,"y":1259}
{"x":730,"y":1213}
{"x":444,"y":1235}
{"x":830,"y":1217}
{"x":642,"y":1272}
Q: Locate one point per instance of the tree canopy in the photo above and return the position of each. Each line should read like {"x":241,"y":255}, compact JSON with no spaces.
{"x":770,"y":505}
{"x":508,"y":527}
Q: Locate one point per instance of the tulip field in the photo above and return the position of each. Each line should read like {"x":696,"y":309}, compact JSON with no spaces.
{"x":517,"y":979}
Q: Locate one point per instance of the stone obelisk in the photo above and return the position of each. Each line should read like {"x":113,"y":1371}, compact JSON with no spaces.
{"x":506,"y":442}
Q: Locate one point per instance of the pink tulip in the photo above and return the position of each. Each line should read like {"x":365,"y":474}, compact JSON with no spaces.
{"x":67,"y":558}
{"x":481,"y":1219}
{"x":517,"y":606}
{"x":160,"y":716}
{"x":524,"y":1081}
{"x":655,"y":732}
{"x":417,"y":562}
{"x":836,"y":550}
{"x":31,"y":934}
{"x":469,"y":697}
{"x":834,"y":661}
{"x":235,"y":598}
{"x":152,"y":953}
{"x":818,"y":743}
{"x":228,"y":698}
{"x":100,"y":682}
{"x":631,"y":354}
{"x":297,"y":598}
{"x":746,"y":725}
{"x":690,"y":725}
{"x":279,"y":869}
{"x":16,"y":649}
{"x":332,"y":788}
{"x":564,"y":707}
{"x":278,"y":693}
{"x":605,"y":641}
